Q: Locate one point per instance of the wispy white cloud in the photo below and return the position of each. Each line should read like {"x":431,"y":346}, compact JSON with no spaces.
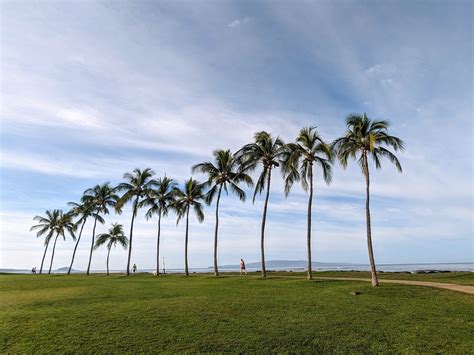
{"x":239,"y":22}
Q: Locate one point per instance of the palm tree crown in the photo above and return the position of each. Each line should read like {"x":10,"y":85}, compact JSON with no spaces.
{"x":225,"y":172}
{"x":101,"y":197}
{"x":82,"y":210}
{"x":266,"y":150}
{"x":159,"y":199}
{"x":138,"y":184}
{"x":191,"y":196}
{"x":65,"y":225}
{"x":299,"y":158}
{"x":366,"y":137}
{"x":113,"y":237}
{"x":46,"y":225}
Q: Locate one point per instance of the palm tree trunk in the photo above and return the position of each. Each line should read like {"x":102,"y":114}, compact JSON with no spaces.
{"x":310,"y":205}
{"x":108,"y":255}
{"x":44,"y":255}
{"x":373,"y":271}
{"x":75,"y":247}
{"x":52,"y":255}
{"x":186,"y":271}
{"x":264,"y":219}
{"x":92,"y":244}
{"x":158,"y":245}
{"x":135,"y":205}
{"x":216,"y":271}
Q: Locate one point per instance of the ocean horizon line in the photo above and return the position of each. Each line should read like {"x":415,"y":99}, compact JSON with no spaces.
{"x":388,"y":267}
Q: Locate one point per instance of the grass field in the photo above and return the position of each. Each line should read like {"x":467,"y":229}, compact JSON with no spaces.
{"x":201,"y":313}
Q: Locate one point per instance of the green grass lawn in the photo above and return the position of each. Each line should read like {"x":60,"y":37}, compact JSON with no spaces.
{"x":201,"y":313}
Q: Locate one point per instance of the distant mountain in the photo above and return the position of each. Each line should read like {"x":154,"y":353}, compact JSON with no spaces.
{"x":283,"y":264}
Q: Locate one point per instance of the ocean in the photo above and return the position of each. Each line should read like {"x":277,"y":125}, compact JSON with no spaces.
{"x":469,"y":267}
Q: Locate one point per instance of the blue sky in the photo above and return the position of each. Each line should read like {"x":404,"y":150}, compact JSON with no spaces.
{"x":90,"y":90}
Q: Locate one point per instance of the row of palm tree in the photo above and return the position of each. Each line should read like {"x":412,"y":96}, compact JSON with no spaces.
{"x":364,"y":139}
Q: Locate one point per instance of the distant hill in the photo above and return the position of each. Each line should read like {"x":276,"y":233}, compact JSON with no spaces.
{"x":283,"y":264}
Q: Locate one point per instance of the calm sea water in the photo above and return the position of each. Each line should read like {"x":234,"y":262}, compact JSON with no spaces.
{"x":345,"y":267}
{"x":333,"y":267}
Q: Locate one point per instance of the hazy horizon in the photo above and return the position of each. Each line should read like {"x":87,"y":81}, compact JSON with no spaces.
{"x":91,"y":90}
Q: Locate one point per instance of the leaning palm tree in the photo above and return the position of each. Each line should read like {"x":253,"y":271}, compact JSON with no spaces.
{"x":82,"y":210}
{"x":114,"y":237}
{"x":64,"y":225}
{"x":308,"y":150}
{"x":101,"y":197}
{"x":223,"y":173}
{"x":46,"y":227}
{"x":159,"y":201}
{"x":191,"y":196}
{"x":268,"y":152}
{"x":138,"y":185}
{"x":366,"y":138}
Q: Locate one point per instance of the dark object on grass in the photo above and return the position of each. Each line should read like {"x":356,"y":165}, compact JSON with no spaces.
{"x":355,"y":293}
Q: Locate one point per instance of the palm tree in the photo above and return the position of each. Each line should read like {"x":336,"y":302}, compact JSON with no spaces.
{"x":268,"y":151}
{"x":192,"y":195}
{"x":159,"y":201}
{"x":46,"y":227}
{"x":139,"y":184}
{"x":300,"y":157}
{"x":365,"y":137}
{"x":222,"y":173}
{"x":64,"y":225}
{"x":83,"y":210}
{"x":114,"y":237}
{"x":101,"y":197}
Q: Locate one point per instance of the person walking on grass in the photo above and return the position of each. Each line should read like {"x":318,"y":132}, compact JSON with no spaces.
{"x":134,"y":268}
{"x":242,"y":267}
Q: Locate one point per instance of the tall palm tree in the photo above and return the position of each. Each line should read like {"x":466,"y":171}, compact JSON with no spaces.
{"x":191,"y":196}
{"x":46,"y":227}
{"x":138,"y":185}
{"x":101,"y":197}
{"x":82,"y":210}
{"x":159,"y":200}
{"x":308,"y":150}
{"x":222,"y":173}
{"x":366,"y":138}
{"x":114,"y":237}
{"x":64,"y":225}
{"x":268,"y":152}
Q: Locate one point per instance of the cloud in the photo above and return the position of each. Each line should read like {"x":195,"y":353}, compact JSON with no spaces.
{"x":239,"y":22}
